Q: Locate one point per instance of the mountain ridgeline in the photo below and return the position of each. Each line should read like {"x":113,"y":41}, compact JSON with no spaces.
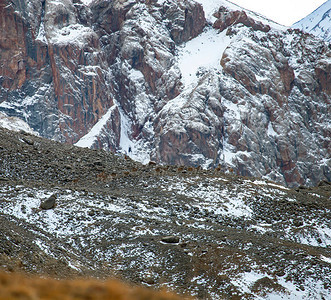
{"x":171,"y":82}
{"x":318,"y":22}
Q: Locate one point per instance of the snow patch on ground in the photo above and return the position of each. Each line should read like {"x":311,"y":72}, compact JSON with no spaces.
{"x":326,"y":259}
{"x":143,"y":105}
{"x":261,"y":182}
{"x":290,"y":291}
{"x":136,"y":150}
{"x":210,"y":7}
{"x":312,"y":233}
{"x":213,"y":199}
{"x":42,"y":34}
{"x":246,"y":280}
{"x":87,"y":2}
{"x":271,"y":131}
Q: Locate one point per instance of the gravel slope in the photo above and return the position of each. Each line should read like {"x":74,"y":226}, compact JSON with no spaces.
{"x":205,"y":233}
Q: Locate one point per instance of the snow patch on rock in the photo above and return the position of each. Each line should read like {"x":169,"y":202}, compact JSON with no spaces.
{"x":134,"y":149}
{"x":202,"y":54}
{"x":89,"y":139}
{"x":15,"y":124}
{"x":76,"y":34}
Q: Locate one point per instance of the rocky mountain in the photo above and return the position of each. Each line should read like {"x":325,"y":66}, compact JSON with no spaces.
{"x":199,"y":232}
{"x":176,"y":82}
{"x":318,"y":22}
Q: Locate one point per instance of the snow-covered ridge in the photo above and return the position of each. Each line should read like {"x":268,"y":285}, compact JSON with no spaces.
{"x":211,"y":6}
{"x":318,"y":22}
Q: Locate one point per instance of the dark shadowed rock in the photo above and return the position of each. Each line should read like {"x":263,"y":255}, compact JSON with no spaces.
{"x":49,"y":203}
{"x":324,"y":183}
{"x":170,"y":239}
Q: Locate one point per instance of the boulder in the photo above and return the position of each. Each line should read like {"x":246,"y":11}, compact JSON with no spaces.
{"x":49,"y":203}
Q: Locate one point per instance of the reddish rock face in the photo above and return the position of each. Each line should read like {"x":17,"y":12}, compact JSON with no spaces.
{"x":17,"y":48}
{"x":186,"y":20}
{"x":93,"y":99}
{"x":39,"y":68}
{"x":323,"y":74}
{"x":260,"y":110}
{"x":226,"y":18}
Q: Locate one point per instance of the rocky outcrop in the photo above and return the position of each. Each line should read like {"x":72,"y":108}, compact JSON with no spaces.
{"x":186,"y":20}
{"x":117,"y":75}
{"x":191,"y":134}
{"x":226,"y":18}
{"x":53,"y":73}
{"x":323,"y":74}
{"x":258,"y":125}
{"x":49,"y":203}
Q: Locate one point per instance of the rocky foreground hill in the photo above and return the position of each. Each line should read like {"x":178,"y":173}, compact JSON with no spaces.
{"x":177,"y":82}
{"x":68,"y":212}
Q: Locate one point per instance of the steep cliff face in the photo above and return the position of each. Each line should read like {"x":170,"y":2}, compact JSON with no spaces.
{"x":175,"y":82}
{"x":53,"y":74}
{"x":278,"y":114}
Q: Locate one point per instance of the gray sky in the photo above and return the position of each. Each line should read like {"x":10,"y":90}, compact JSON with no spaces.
{"x":285,"y":12}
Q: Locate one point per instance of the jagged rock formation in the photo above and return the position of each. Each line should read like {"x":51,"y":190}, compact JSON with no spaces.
{"x":53,"y":75}
{"x":125,"y":76}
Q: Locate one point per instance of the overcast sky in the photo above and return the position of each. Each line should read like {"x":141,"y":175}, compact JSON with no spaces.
{"x":285,"y":12}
